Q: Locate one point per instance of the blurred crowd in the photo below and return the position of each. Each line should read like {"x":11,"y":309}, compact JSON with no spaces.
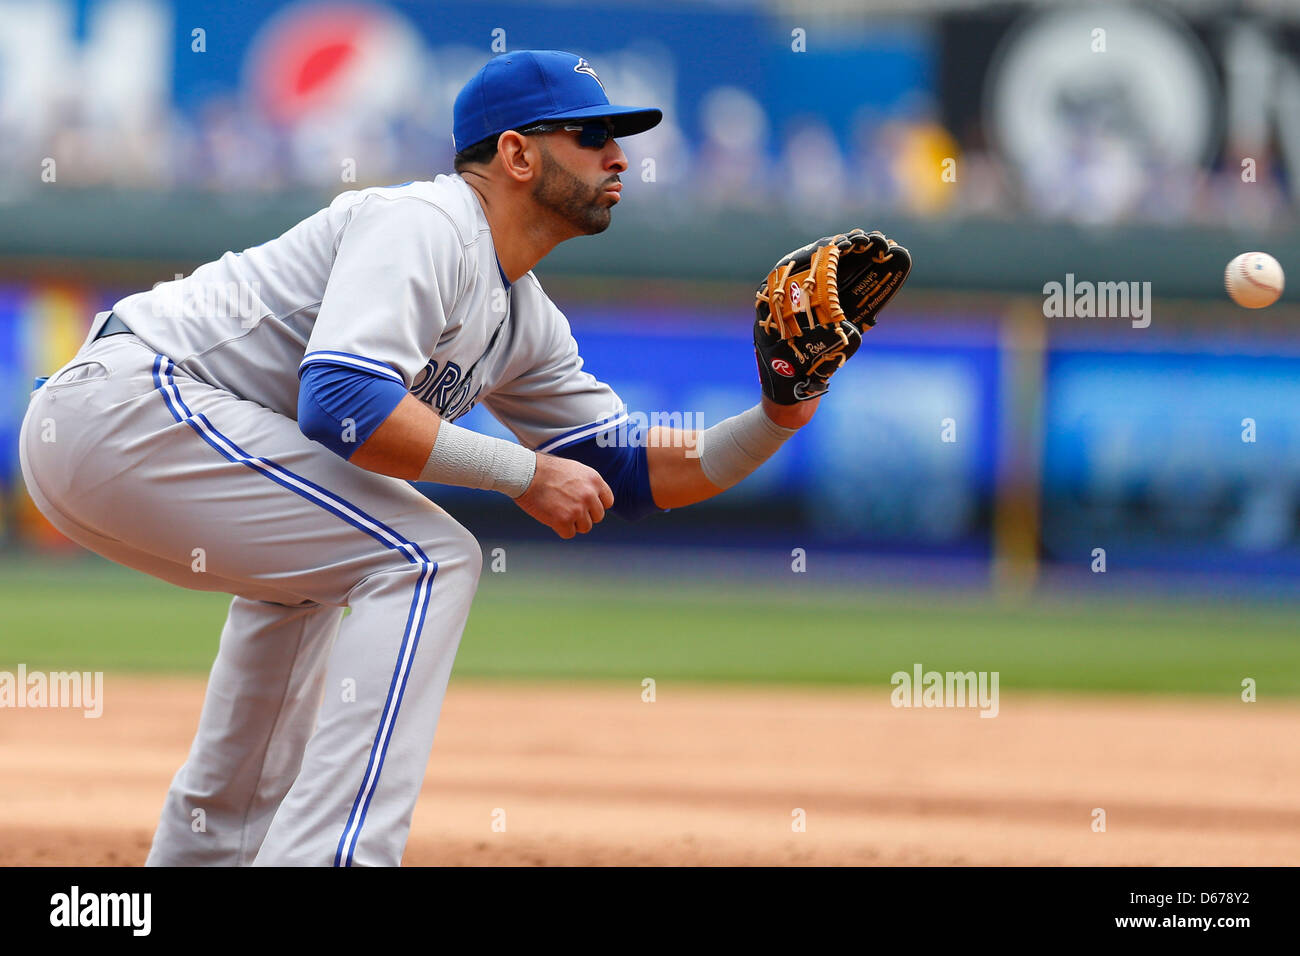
{"x":909,"y":162}
{"x":901,"y":161}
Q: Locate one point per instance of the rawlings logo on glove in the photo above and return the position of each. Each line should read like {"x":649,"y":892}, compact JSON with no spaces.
{"x":823,"y":297}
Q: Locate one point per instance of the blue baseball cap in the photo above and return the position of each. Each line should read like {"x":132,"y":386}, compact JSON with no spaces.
{"x":519,"y":89}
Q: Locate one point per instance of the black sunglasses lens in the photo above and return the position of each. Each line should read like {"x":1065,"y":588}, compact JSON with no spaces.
{"x":594,"y":135}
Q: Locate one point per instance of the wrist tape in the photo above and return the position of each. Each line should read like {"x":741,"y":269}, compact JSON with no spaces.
{"x":463,"y":457}
{"x":736,"y":446}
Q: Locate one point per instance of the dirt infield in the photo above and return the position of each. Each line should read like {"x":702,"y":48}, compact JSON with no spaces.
{"x":594,"y":775}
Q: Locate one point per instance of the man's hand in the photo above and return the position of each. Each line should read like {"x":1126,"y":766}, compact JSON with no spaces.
{"x":566,"y":496}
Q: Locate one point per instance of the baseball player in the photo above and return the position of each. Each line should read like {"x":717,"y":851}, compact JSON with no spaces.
{"x":252,"y":429}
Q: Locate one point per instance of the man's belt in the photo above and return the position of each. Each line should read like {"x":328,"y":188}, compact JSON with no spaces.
{"x":114,"y":326}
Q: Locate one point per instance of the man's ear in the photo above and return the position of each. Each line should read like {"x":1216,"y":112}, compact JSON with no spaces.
{"x":520,"y":156}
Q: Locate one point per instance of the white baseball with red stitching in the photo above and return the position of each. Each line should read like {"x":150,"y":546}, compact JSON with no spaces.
{"x":1254,"y":280}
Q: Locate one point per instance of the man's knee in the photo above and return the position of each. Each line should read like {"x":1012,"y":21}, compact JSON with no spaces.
{"x":445,"y":547}
{"x":456,"y":550}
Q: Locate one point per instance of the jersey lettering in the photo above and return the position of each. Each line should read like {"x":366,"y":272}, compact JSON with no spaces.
{"x":449,"y":377}
{"x":461,"y":401}
{"x":446,"y":391}
{"x":423,"y":377}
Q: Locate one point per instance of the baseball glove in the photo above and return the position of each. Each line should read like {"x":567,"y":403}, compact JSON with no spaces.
{"x":814,"y":306}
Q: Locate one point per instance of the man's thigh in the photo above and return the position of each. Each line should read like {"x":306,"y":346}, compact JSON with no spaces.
{"x":158,"y":470}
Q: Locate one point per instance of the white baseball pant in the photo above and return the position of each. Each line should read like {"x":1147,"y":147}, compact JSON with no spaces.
{"x":316,"y":729}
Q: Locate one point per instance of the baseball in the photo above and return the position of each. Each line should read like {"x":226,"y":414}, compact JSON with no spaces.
{"x":1254,"y":280}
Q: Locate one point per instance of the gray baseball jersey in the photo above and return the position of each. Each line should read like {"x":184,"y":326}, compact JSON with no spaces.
{"x":176,"y":450}
{"x":402,"y":281}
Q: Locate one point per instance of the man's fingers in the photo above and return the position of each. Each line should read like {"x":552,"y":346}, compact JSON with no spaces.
{"x":575,"y":501}
{"x":603,"y":502}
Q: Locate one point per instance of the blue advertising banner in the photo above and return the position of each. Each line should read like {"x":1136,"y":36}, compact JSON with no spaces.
{"x":1174,"y":460}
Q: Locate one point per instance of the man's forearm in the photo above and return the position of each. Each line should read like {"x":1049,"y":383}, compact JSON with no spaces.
{"x":677,"y":477}
{"x":414,"y":443}
{"x":401,"y":444}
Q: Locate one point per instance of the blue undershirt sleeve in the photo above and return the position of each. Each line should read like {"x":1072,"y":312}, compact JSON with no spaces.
{"x":619,"y":456}
{"x":340,"y":406}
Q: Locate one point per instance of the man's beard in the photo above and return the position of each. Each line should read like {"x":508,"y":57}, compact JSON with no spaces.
{"x":564,"y":194}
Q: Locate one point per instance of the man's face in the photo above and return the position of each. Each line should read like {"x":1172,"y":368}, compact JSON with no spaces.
{"x":578,"y":183}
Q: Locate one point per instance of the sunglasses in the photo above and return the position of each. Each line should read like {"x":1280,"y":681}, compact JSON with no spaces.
{"x":593,"y":134}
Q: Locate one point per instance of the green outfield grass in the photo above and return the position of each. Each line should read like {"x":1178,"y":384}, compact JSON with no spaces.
{"x":87,"y":615}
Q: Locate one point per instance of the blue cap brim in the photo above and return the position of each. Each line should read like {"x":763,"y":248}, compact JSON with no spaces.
{"x":626,"y":120}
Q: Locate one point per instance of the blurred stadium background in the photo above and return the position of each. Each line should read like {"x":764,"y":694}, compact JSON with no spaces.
{"x":975,"y":446}
{"x":951,"y":500}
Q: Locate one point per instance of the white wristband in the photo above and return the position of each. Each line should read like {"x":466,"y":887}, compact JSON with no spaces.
{"x":463,"y":457}
{"x":736,"y":446}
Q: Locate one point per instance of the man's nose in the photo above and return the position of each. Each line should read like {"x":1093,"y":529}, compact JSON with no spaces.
{"x":615,"y":159}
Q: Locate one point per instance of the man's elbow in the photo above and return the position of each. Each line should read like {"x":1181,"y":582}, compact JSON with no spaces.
{"x":634,"y":507}
{"x":341,"y":407}
{"x":321,"y":427}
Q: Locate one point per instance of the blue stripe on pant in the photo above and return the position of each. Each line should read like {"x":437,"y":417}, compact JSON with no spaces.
{"x":165,"y":383}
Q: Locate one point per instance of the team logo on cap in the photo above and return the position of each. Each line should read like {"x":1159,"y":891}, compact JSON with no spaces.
{"x":585,"y":67}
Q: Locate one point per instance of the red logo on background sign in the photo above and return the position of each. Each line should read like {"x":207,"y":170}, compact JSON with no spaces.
{"x":782,"y":367}
{"x":344,"y":60}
